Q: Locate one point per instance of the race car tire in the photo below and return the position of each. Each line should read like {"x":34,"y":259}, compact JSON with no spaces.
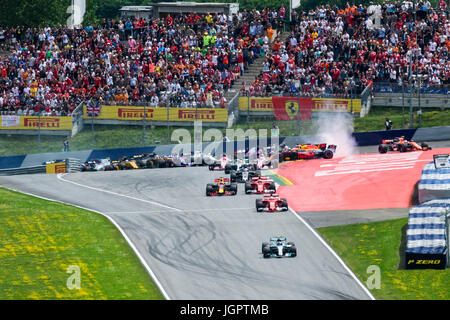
{"x":272,"y":187}
{"x":228,"y":169}
{"x":425,"y":146}
{"x":150,"y":164}
{"x":328,"y":154}
{"x":266,"y":251}
{"x":382,"y":148}
{"x":211,"y":167}
{"x":259,"y":205}
{"x":234,"y":188}
{"x":293,"y":251}
{"x":209,"y":190}
{"x":233,"y":177}
{"x":248,"y":188}
{"x":402,"y":147}
{"x":161,"y":163}
{"x":264,"y":244}
{"x":284,"y":204}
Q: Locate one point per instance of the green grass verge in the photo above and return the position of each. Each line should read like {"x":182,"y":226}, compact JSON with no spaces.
{"x":382,"y":244}
{"x":39,"y":239}
{"x":109,"y":136}
{"x":375,"y":120}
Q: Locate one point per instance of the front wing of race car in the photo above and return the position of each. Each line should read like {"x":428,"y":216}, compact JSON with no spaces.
{"x":279,"y":251}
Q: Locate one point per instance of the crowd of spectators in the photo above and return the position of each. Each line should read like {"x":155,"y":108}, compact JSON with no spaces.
{"x":183,"y":61}
{"x":192,"y":60}
{"x":339,"y":51}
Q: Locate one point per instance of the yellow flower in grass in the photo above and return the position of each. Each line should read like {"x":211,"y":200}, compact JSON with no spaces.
{"x":33,"y":296}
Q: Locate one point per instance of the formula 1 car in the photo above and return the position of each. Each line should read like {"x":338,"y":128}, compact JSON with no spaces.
{"x":271,"y":203}
{"x":244,"y":173}
{"x":402,"y":145}
{"x":222,"y":164}
{"x":260,"y":185}
{"x":308,"y":151}
{"x":95,"y":165}
{"x":146,"y":160}
{"x":221,"y":187}
{"x":123,"y":164}
{"x":278,"y":247}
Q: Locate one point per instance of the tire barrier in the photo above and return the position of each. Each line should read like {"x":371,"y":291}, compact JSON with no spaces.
{"x":73,"y":165}
{"x":427,"y":246}
{"x":434,"y":183}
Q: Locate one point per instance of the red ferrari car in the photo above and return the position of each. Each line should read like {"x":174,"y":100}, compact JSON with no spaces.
{"x":402,"y":145}
{"x":271,"y":203}
{"x":260,"y":184}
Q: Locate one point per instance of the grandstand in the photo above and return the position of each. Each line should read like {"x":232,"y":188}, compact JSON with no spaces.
{"x":207,"y":59}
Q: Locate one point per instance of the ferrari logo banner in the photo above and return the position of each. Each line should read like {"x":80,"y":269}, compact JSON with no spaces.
{"x":158,"y":114}
{"x":33,"y":123}
{"x":287,"y":108}
{"x":259,"y":104}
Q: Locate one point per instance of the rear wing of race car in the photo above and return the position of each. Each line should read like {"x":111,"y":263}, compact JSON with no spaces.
{"x":273,"y":239}
{"x":261,"y":178}
{"x":332,"y":147}
{"x":322,"y":146}
{"x":224,"y":180}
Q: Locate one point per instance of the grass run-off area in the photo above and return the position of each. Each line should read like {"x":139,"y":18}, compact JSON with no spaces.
{"x":110,"y":136}
{"x":382,"y":244}
{"x":40,"y":239}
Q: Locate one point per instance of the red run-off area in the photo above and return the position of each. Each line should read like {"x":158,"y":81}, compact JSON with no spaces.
{"x":356,"y":182}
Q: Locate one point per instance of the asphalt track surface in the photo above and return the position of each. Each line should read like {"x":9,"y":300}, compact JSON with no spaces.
{"x":209,"y":248}
{"x":200,"y":247}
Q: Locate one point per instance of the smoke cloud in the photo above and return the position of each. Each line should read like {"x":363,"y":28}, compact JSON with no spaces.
{"x":337,"y":128}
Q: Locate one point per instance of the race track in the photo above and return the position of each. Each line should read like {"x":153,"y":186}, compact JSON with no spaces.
{"x":198,"y":247}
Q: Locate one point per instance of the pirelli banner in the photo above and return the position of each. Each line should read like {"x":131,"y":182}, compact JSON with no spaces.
{"x":33,"y":123}
{"x":285,"y":107}
{"x":425,"y":261}
{"x":59,"y":167}
{"x":156,"y":114}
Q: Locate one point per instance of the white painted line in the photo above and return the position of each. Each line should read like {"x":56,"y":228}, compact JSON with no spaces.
{"x":60,"y":177}
{"x":130,"y":243}
{"x":333,"y":253}
{"x":314,"y":232}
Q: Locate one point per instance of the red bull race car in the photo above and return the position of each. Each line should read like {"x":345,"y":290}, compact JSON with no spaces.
{"x":402,"y":145}
{"x":308,"y":151}
{"x":260,"y":185}
{"x":271,"y":203}
{"x":221,"y":187}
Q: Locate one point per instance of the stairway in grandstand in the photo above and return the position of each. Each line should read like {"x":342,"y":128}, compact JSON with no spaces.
{"x":253,"y":71}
